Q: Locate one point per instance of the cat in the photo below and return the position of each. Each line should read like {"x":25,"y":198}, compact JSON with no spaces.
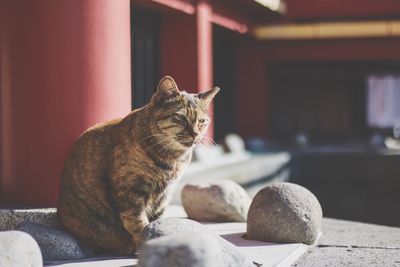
{"x":120,"y":174}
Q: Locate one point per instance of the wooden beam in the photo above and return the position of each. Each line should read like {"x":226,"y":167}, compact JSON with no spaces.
{"x":340,"y":9}
{"x":229,"y":23}
{"x":329,"y":30}
{"x":179,"y":5}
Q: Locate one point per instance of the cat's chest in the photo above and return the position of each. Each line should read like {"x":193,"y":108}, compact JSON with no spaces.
{"x":166,"y":182}
{"x":164,"y":192}
{"x":169,"y":172}
{"x":162,"y":177}
{"x":159,"y":198}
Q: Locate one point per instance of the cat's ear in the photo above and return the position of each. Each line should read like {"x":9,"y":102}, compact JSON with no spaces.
{"x":207,"y":96}
{"x":166,"y":89}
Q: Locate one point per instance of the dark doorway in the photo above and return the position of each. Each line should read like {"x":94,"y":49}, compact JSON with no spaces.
{"x":353,"y":179}
{"x":224,"y":60}
{"x":145,"y":25}
{"x":325,"y":101}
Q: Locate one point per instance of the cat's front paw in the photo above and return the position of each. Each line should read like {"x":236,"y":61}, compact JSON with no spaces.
{"x":137,"y":240}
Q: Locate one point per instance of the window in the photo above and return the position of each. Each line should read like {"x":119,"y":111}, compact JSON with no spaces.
{"x":383,"y":101}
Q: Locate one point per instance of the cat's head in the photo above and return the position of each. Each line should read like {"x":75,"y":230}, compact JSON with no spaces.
{"x":179,"y":120}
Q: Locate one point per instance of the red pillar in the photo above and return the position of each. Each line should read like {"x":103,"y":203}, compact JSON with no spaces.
{"x":65,"y":65}
{"x":186,"y":50}
{"x":204,"y":53}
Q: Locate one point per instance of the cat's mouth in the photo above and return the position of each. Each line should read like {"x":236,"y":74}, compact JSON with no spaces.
{"x":187,"y":143}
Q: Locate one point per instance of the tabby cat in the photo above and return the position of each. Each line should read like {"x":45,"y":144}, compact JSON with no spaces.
{"x":120,"y":174}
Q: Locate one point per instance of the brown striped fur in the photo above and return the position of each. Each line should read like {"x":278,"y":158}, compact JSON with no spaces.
{"x":119,"y":174}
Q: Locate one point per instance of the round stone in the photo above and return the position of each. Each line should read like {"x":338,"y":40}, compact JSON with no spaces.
{"x":284,"y":213}
{"x":19,"y":249}
{"x":234,"y":143}
{"x":195,"y":249}
{"x":218,"y":201}
{"x":169,"y":226}
{"x":55,"y":244}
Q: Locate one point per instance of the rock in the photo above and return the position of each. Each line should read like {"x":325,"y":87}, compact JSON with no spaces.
{"x":234,"y":143}
{"x":169,"y":226}
{"x":217,"y":201}
{"x":56,"y":245}
{"x":284,"y":213}
{"x":196,"y":249}
{"x":19,"y":249}
{"x":9,"y":218}
{"x":207,"y":154}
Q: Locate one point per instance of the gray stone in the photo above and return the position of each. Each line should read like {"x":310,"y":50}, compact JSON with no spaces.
{"x":207,"y":154}
{"x":234,"y":143}
{"x":9,"y":218}
{"x":217,"y":201}
{"x":284,"y":213}
{"x":169,"y":226}
{"x":19,"y":249}
{"x":196,"y":249}
{"x":56,"y":245}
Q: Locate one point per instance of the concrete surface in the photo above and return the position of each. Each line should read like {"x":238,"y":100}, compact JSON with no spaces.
{"x":346,"y":243}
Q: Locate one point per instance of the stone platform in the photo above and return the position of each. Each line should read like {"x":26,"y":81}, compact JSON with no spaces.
{"x":353,"y":244}
{"x":343,"y":243}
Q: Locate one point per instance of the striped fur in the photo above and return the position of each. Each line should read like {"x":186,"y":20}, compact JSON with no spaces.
{"x":120,"y":174}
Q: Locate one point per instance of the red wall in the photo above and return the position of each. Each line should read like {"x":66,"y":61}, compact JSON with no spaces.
{"x":65,"y":65}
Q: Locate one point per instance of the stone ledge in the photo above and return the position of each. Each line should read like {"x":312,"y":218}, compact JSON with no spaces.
{"x":267,"y":253}
{"x":10,"y":218}
{"x":349,"y":257}
{"x":347,"y":243}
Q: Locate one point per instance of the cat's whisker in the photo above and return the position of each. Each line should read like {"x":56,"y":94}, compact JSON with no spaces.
{"x":157,"y":143}
{"x":151,"y":136}
{"x":207,"y":143}
{"x":162,"y":148}
{"x":167,"y":148}
{"x":153,"y":145}
{"x":210,"y":140}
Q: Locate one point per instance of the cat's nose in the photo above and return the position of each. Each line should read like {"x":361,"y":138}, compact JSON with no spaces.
{"x":193,"y":133}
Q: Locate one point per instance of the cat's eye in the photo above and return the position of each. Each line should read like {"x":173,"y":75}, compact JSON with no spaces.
{"x":202,"y":121}
{"x":181,"y":119}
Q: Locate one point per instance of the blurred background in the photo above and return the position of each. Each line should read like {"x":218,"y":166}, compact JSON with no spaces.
{"x":310,"y":89}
